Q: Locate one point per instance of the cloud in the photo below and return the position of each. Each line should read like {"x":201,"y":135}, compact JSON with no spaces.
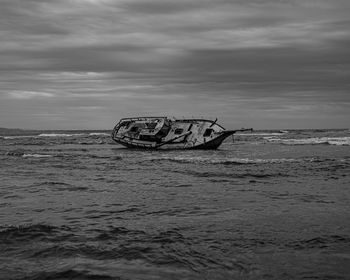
{"x":157,"y":53}
{"x":21,"y":94}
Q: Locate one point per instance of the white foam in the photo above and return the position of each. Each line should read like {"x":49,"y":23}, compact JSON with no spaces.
{"x":59,"y":135}
{"x":36,"y":155}
{"x":272,"y":138}
{"x":99,"y":134}
{"x":225,"y":160}
{"x":17,"y":137}
{"x":55,"y":135}
{"x":338,"y":141}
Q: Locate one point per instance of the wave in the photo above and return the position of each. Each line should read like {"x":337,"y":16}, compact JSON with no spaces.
{"x":100,"y":142}
{"x":320,"y":242}
{"x":52,"y":183}
{"x":228,"y":161}
{"x":26,"y":232}
{"x":16,"y":137}
{"x":116,"y":232}
{"x":338,"y":141}
{"x":72,"y":135}
{"x":245,"y":175}
{"x":132,"y":235}
{"x":15,"y":153}
{"x":44,"y":135}
{"x":99,"y":134}
{"x":59,"y":135}
{"x":228,"y":176}
{"x":124,"y":243}
{"x":262,"y":134}
{"x":36,"y":155}
{"x":55,"y":135}
{"x":66,"y":274}
{"x":22,"y":153}
{"x":60,"y":186}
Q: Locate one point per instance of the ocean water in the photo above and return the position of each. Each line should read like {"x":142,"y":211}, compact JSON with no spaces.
{"x":268,"y":205}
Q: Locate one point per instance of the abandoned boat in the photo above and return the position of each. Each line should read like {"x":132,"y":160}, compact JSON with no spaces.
{"x":170,"y":133}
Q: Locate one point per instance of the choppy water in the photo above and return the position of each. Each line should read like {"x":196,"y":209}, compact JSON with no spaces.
{"x":271,"y":205}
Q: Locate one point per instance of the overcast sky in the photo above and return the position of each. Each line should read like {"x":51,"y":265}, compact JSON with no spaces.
{"x":76,"y":64}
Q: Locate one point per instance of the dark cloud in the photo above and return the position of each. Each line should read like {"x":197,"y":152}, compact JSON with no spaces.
{"x":163,"y":7}
{"x":260,"y":58}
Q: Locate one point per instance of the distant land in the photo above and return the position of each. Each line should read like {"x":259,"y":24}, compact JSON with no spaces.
{"x":24,"y":132}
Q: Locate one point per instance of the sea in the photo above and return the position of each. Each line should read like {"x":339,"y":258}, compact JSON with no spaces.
{"x":271,"y":204}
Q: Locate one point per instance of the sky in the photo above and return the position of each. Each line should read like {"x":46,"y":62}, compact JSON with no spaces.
{"x":84,"y":64}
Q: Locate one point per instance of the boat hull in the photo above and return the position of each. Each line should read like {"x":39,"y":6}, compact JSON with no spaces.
{"x":214,"y":143}
{"x":209,"y":145}
{"x":163,"y":133}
